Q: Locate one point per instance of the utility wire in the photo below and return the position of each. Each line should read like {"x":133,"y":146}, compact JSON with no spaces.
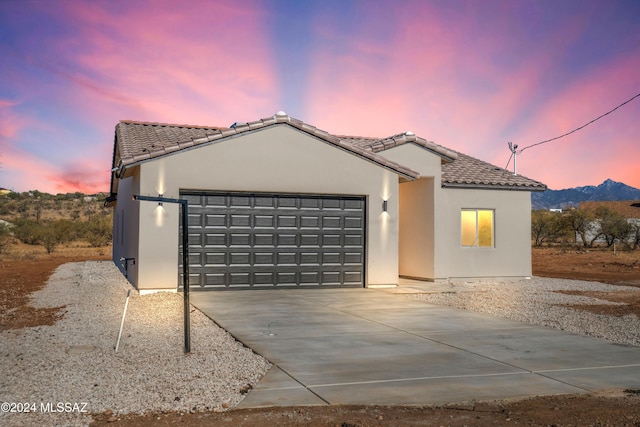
{"x":575,"y":130}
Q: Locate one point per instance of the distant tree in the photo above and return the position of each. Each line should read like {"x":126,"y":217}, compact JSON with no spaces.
{"x":634,"y":235}
{"x":546,"y":226}
{"x":612,"y":225}
{"x":581,"y":223}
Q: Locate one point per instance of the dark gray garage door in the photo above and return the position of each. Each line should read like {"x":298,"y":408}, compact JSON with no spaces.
{"x":251,"y":241}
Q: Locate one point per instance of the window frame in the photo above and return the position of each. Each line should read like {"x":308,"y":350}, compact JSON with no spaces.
{"x":478,"y":225}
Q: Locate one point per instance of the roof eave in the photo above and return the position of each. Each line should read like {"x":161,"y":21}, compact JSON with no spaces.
{"x":493,"y":187}
{"x":253,"y":127}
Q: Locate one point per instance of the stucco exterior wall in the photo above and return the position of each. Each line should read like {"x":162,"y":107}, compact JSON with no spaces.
{"x":418,"y":227}
{"x":416,"y":233}
{"x":430,"y":227}
{"x":125,"y":228}
{"x":276,"y":159}
{"x":511,"y":254}
{"x":419,"y":213}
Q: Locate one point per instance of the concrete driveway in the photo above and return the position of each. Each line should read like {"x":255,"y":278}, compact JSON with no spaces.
{"x":365,"y":346}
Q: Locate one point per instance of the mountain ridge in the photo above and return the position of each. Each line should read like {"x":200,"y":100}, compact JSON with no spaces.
{"x":607,"y":191}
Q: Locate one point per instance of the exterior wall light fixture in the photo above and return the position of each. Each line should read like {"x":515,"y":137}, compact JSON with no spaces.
{"x":184,"y":205}
{"x":384,"y":206}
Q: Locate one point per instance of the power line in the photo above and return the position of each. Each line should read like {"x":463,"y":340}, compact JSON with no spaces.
{"x":573,"y":131}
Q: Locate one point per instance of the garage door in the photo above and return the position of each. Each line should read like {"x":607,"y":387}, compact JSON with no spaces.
{"x":271,"y":241}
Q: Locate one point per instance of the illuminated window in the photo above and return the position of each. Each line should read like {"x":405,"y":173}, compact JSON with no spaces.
{"x":477,"y":228}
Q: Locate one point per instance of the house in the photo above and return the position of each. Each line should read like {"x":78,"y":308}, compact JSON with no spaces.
{"x":278,"y":203}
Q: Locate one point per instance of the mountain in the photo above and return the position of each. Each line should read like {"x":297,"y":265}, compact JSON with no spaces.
{"x":608,"y":190}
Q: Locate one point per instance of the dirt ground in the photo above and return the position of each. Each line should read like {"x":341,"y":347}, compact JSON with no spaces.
{"x":25,"y":269}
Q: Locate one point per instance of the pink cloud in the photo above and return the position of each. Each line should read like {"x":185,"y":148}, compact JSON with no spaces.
{"x":11,"y":122}
{"x":457,"y":91}
{"x":177,"y":62}
{"x":80,"y":176}
{"x":599,"y":151}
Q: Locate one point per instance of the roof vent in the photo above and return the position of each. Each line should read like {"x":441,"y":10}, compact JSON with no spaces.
{"x":409,"y":133}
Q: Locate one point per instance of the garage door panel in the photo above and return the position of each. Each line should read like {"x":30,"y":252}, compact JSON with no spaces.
{"x":353,"y":223}
{"x":214,"y":201}
{"x":240,"y":221}
{"x":286,"y":202}
{"x":243,"y":279}
{"x":239,"y":259}
{"x":266,"y":240}
{"x":287,"y":221}
{"x":195,"y":240}
{"x":309,"y":240}
{"x":286,"y":258}
{"x":239,"y":239}
{"x":331,"y":204}
{"x":214,"y":221}
{"x":264,"y":258}
{"x":354,"y":258}
{"x":212,"y":239}
{"x":353,"y":240}
{"x":353,"y":277}
{"x":310,"y":258}
{"x":287,"y":240}
{"x":308,"y":221}
{"x":311,"y":203}
{"x":218,"y":259}
{"x":266,"y":202}
{"x":239,"y":201}
{"x":264,"y":221}
{"x":331,"y":258}
{"x":332,"y":240}
{"x":195,"y":220}
{"x":243,"y":241}
{"x":354,"y":204}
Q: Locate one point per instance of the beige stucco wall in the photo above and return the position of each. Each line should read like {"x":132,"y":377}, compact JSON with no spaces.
{"x":125,"y":227}
{"x":418,"y":230}
{"x":430,"y":236}
{"x":511,"y":254}
{"x":275,"y":159}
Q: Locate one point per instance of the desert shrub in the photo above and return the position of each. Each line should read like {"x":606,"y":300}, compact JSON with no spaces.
{"x":98,"y":230}
{"x":547,"y":227}
{"x":46,"y":233}
{"x":27,"y":230}
{"x":5,"y":236}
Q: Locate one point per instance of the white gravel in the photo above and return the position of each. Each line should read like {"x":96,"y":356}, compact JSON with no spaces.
{"x":536,"y":301}
{"x":73,"y":362}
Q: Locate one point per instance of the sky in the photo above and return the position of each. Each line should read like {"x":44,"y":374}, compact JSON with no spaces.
{"x":470,"y":75}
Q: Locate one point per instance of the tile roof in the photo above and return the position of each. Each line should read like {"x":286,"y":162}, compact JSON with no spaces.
{"x":139,"y":141}
{"x":460,"y":170}
{"x":468,"y":171}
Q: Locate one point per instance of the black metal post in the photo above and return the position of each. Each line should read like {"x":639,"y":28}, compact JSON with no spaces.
{"x":185,"y":275}
{"x":184,"y":208}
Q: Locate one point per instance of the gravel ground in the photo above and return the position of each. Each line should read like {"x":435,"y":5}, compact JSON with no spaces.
{"x":73,"y":362}
{"x":536,"y":301}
